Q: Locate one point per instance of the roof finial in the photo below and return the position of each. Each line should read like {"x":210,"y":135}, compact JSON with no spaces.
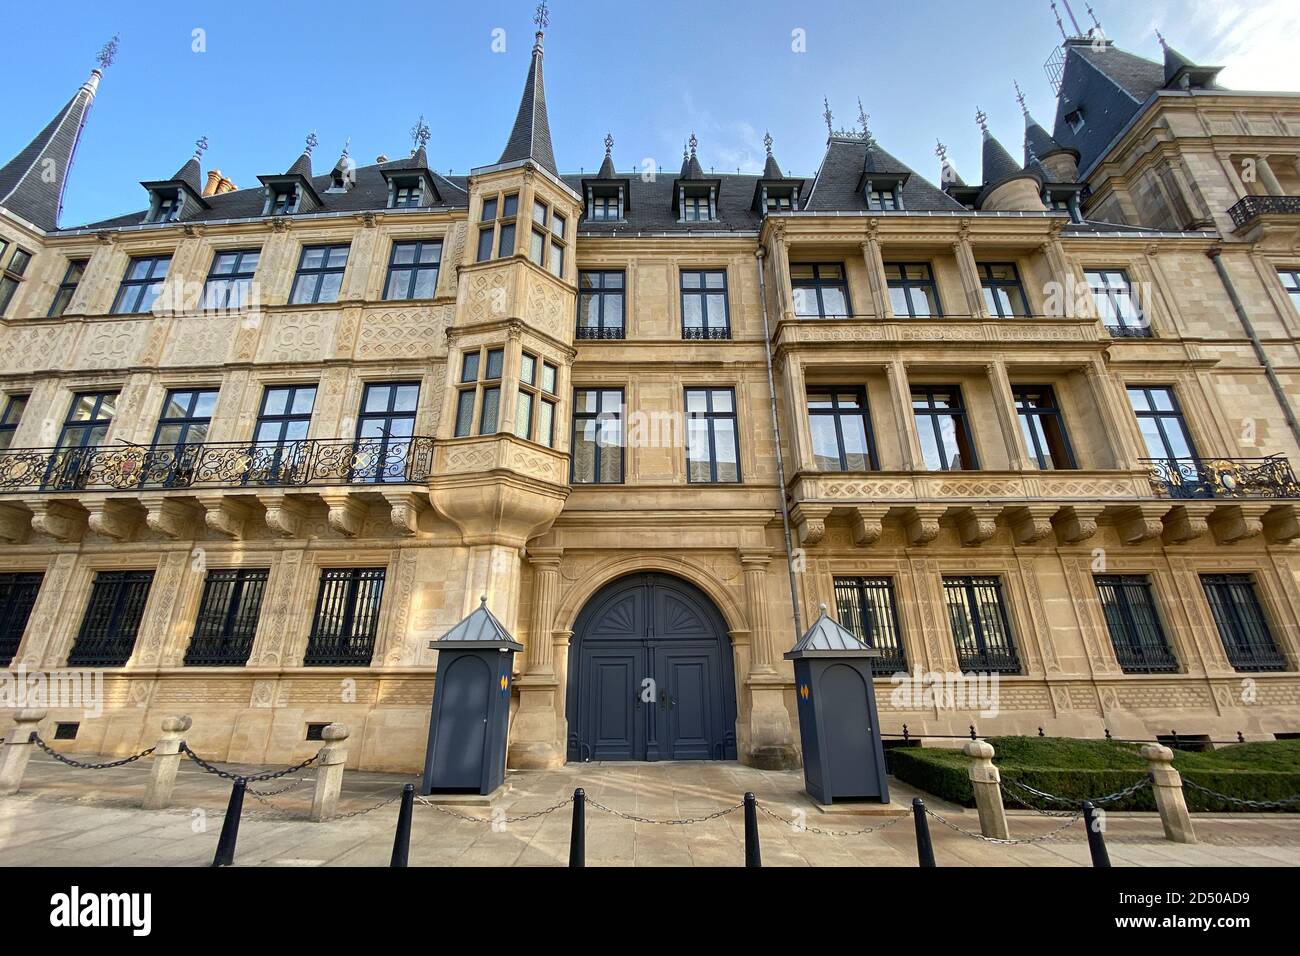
{"x":201,"y":145}
{"x":542,"y":18}
{"x":311,"y":142}
{"x":830,"y":130}
{"x":419,"y":134}
{"x":685,"y":152}
{"x":941,"y":151}
{"x":108,"y":52}
{"x":983,"y":119}
{"x":609,"y":143}
{"x":1161,"y":37}
{"x":1020,"y":98}
{"x":823,"y":607}
{"x":767,"y":142}
{"x":1059,"y":25}
{"x":346,"y":143}
{"x":694,"y":142}
{"x":1096,"y":22}
{"x":863,"y":119}
{"x":482,"y":598}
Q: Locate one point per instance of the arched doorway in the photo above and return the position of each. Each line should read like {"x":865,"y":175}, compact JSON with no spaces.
{"x":651,"y":675}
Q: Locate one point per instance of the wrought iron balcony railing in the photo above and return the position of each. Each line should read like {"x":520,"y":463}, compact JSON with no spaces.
{"x":592,"y":332}
{"x":1223,"y":477}
{"x":713,"y":333}
{"x":217,"y":465}
{"x":1251,"y":207}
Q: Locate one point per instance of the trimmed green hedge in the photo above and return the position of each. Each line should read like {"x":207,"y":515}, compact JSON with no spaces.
{"x":1080,"y":769}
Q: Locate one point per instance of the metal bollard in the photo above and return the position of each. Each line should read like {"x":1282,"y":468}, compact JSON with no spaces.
{"x":578,"y":835}
{"x":225,"y":854}
{"x":1096,"y":842}
{"x":924,"y":848}
{"x":402,"y":839}
{"x":753,"y":857}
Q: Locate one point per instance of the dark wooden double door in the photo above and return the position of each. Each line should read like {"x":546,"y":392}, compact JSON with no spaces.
{"x":651,"y":675}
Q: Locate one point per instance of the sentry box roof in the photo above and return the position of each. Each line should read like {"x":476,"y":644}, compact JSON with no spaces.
{"x":480,"y":630}
{"x":826,"y":638}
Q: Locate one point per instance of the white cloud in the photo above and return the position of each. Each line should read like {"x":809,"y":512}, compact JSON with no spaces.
{"x":1254,"y":40}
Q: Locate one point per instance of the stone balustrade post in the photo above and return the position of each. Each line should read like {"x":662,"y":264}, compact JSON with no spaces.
{"x":986,"y":782}
{"x":18,"y":749}
{"x":166,"y":762}
{"x":1167,"y":786}
{"x":329,"y":772}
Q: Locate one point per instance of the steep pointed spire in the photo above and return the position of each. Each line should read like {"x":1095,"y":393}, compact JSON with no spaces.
{"x":691,"y":168}
{"x":1038,"y":142}
{"x":531,"y":136}
{"x":948,"y":175}
{"x":607,"y":166}
{"x":302,"y":165}
{"x":997,"y":162}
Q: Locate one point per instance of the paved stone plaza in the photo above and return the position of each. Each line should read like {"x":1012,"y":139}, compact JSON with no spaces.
{"x":67,"y":817}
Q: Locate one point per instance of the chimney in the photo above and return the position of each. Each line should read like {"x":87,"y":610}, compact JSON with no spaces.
{"x":226,"y":186}
{"x":381,"y":158}
{"x":213,"y":185}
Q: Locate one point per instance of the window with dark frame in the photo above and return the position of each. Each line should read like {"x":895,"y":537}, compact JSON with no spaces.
{"x":18,"y":592}
{"x":14,"y":406}
{"x":820,"y":290}
{"x":980,"y":628}
{"x":1291,"y":282}
{"x":882,"y":199}
{"x":697,"y":205}
{"x":534,"y":411}
{"x":385,"y":426}
{"x":865,"y":606}
{"x":1043,"y":426}
{"x":320,"y":274}
{"x":1161,"y":422}
{"x":597,"y":448}
{"x":346,"y":619}
{"x":230,"y":280}
{"x":11,"y":276}
{"x":89,"y":416}
{"x":600,"y":304}
{"x":1241,"y":623}
{"x":840,"y":422}
{"x":283,"y":421}
{"x":912,"y":290}
{"x":1117,"y":307}
{"x":1141,"y":646}
{"x":497,"y":218}
{"x":712,"y":443}
{"x":227,"y":617}
{"x":413,"y":270}
{"x":141,"y":285}
{"x":284,"y":202}
{"x":67,"y":288}
{"x":408,"y":193}
{"x":704,"y":304}
{"x":480,"y":388}
{"x":108,"y":629}
{"x":178,"y":438}
{"x":1004,"y":295}
{"x":943,"y":428}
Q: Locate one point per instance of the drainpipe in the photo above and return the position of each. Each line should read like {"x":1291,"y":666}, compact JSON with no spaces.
{"x":780,"y":459}
{"x":1279,"y":393}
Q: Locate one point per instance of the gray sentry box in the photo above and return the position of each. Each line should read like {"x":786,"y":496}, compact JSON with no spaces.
{"x":843,"y":758}
{"x":471,"y":706}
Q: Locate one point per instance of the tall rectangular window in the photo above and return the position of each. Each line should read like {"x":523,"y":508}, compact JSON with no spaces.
{"x":1003,"y":294}
{"x":227,"y":618}
{"x":820,"y":290}
{"x":320,"y":274}
{"x":866,"y":607}
{"x":1161,"y":421}
{"x":980,"y":628}
{"x":385,"y":426}
{"x":942,"y":426}
{"x":597,"y":436}
{"x":413,"y":269}
{"x":17,"y":597}
{"x":1117,"y":307}
{"x":112,"y":619}
{"x":1043,"y":426}
{"x":11,"y":276}
{"x":480,"y":380}
{"x":1291,"y":282}
{"x":280,"y":454}
{"x":912,"y":290}
{"x":497,"y":226}
{"x":704,"y":304}
{"x":179,"y":436}
{"x":842,"y":439}
{"x":10,"y":416}
{"x":1135,"y":632}
{"x":712,"y":452}
{"x":84,"y":429}
{"x":1241,"y":623}
{"x":346,"y":621}
{"x":141,"y":285}
{"x":230,"y":281}
{"x":534,"y":400}
{"x":67,"y":287}
{"x":600,"y":305}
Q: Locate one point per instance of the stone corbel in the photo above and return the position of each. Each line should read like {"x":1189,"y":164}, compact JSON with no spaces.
{"x":922,"y":523}
{"x":1032,"y":523}
{"x":54,"y":519}
{"x":15,"y":524}
{"x":1282,"y":524}
{"x":110,"y":519}
{"x":169,"y":516}
{"x":1142,"y":523}
{"x":283,"y":516}
{"x":404,"y":512}
{"x":977,"y":525}
{"x":1187,"y":523}
{"x":347,"y":514}
{"x":1076,"y":523}
{"x":224,"y":515}
{"x":1239,"y":522}
{"x":868,"y":525}
{"x":810,"y":522}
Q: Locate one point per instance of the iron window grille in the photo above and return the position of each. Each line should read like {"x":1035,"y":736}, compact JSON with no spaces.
{"x":141,"y":285}
{"x":705,"y":313}
{"x":1291,"y":282}
{"x":413,"y":270}
{"x":597,"y":447}
{"x":820,"y":290}
{"x":112,"y":620}
{"x":1043,"y":426}
{"x":712,"y":443}
{"x":227,"y":618}
{"x":346,"y":619}
{"x":480,"y":375}
{"x":1004,"y":295}
{"x":980,"y":628}
{"x":842,"y":437}
{"x":866,"y":607}
{"x":15,"y":405}
{"x":320,"y":274}
{"x":1141,"y":646}
{"x":600,"y":305}
{"x":1117,"y":307}
{"x":385,"y":425}
{"x":943,"y":428}
{"x":67,"y":288}
{"x":17,"y":596}
{"x":1240,"y":620}
{"x":912,"y":290}
{"x":179,"y":436}
{"x":87,"y":422}
{"x":281,"y":433}
{"x":230,"y":281}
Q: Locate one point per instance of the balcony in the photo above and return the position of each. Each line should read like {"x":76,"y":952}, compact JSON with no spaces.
{"x":1252,"y":207}
{"x":1222,"y":477}
{"x":595,"y":333}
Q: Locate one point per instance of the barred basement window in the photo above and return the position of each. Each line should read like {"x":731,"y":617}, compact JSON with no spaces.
{"x":1242,"y":626}
{"x":1139,"y":641}
{"x":980,"y":629}
{"x":108,"y":631}
{"x":347,"y":617}
{"x":227,"y":618}
{"x":316,"y":731}
{"x":866,"y":607}
{"x":17,"y":596}
{"x":66,"y":731}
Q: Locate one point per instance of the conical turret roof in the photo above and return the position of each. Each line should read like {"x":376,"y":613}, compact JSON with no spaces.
{"x":530,"y":138}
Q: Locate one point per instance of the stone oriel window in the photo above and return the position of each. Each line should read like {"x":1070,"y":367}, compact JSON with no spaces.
{"x":534,"y":412}
{"x":977,"y":613}
{"x":480,"y":380}
{"x":67,"y":288}
{"x":712,"y":442}
{"x":842,"y":438}
{"x":597,"y":436}
{"x":141,"y":285}
{"x":1135,"y":630}
{"x":943,"y":427}
{"x":320,"y":274}
{"x":1004,"y":295}
{"x":497,"y":226}
{"x":1242,"y":626}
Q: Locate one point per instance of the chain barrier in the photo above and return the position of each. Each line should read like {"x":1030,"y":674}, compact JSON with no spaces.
{"x":684,"y":821}
{"x":505,"y":820}
{"x":1030,"y":806}
{"x":275,"y":793}
{"x":364,"y":810}
{"x":1290,"y":801}
{"x":35,"y":738}
{"x":987,"y":839}
{"x":1066,"y":801}
{"x":248,"y":778}
{"x":805,"y":828}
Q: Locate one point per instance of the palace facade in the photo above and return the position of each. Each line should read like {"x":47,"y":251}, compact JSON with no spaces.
{"x":259,"y":446}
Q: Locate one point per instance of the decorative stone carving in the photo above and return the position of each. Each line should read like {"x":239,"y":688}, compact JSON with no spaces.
{"x":1032,"y":523}
{"x":1186,"y":523}
{"x":283,"y":516}
{"x":1282,"y":524}
{"x":1142,"y":523}
{"x":223,"y":515}
{"x":1239,"y":522}
{"x":347,"y":514}
{"x":1076,"y":523}
{"x":977,"y":525}
{"x":810,"y":522}
{"x":922,"y":523}
{"x":15,"y":524}
{"x":868,"y":525}
{"x":404,"y":512}
{"x":54,"y":519}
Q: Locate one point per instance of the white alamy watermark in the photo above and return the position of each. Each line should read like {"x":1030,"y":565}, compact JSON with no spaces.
{"x":945,"y":690}
{"x":75,"y":908}
{"x":49,"y":690}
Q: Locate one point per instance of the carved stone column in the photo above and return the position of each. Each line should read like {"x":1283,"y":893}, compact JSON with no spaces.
{"x":970,"y":276}
{"x":771,"y":734}
{"x":1005,"y":404}
{"x":900,"y":392}
{"x":536,"y":736}
{"x":1268,"y":179}
{"x":876,"y":276}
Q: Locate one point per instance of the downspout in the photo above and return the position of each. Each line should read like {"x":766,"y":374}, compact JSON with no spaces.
{"x":780,"y":457}
{"x":1278,"y":392}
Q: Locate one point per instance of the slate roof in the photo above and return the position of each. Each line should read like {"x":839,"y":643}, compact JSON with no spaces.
{"x":480,"y":628}
{"x":1110,"y":85}
{"x":835,"y":187}
{"x":998,"y":166}
{"x":1038,"y":142}
{"x":828,"y":637}
{"x":531,"y":136}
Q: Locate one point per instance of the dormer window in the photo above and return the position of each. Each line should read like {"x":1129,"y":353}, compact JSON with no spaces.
{"x":407,"y":193}
{"x":697,"y":206}
{"x":169,"y":208}
{"x":780,"y":202}
{"x":605,"y":208}
{"x":882,"y":198}
{"x":1074,"y":119}
{"x":284,"y":202}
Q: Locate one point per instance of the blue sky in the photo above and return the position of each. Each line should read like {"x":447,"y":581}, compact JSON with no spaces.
{"x":651,"y":74}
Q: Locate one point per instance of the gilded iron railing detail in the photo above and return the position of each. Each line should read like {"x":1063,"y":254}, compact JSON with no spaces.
{"x":218,"y":465}
{"x":1223,"y":477}
{"x":1253,"y":206}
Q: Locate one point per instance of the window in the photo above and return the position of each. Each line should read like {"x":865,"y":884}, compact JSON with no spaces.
{"x":1140,"y":643}
{"x":543,"y":240}
{"x":1240,"y":620}
{"x":1074,"y":119}
{"x":17,"y":596}
{"x":14,"y":406}
{"x":942,"y":427}
{"x":480,"y":372}
{"x":67,"y":288}
{"x":842,"y":439}
{"x":1043,"y":426}
{"x":497,"y":217}
{"x":407,"y":193}
{"x":1291,"y":282}
{"x":413,"y":269}
{"x":704,"y":305}
{"x":779,"y":201}
{"x":347,"y":617}
{"x":320,"y":274}
{"x":230,"y":281}
{"x":712,"y":454}
{"x":185,"y":417}
{"x":1003,"y":294}
{"x":141,"y":285}
{"x":820,"y":290}
{"x":1112,"y":297}
{"x":384,"y":429}
{"x":697,"y":207}
{"x":279,"y":452}
{"x":1161,"y":422}
{"x":227,"y":618}
{"x":866,"y":607}
{"x":912,"y":292}
{"x":600,"y":305}
{"x":882,"y":199}
{"x":284,"y":202}
{"x":108,"y":630}
{"x":980,"y":629}
{"x":169,"y":207}
{"x":83,"y":431}
{"x":597,"y":436}
{"x":537,"y":379}
{"x":605,"y":207}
